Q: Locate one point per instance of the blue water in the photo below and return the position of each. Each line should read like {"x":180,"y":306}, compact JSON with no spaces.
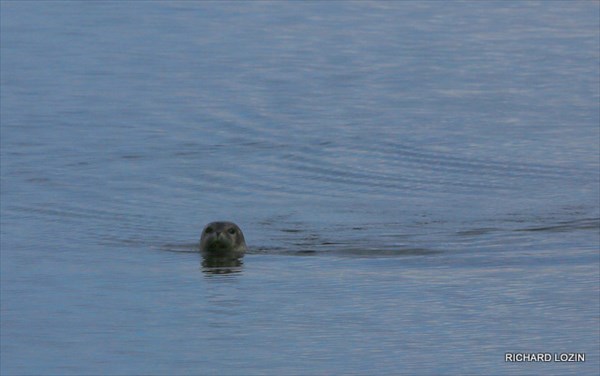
{"x":418,"y":183}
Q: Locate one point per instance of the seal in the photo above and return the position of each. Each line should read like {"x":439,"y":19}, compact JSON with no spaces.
{"x":222,"y":240}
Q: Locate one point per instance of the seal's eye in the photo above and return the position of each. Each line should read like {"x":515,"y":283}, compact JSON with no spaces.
{"x":208,"y":230}
{"x":231,"y":231}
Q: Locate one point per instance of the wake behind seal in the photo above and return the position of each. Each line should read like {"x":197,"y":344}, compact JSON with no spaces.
{"x":222,"y":240}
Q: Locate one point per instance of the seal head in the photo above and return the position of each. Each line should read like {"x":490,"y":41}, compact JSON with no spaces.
{"x":222,"y":239}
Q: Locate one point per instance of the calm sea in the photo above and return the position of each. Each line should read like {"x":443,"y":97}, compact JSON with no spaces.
{"x":418,"y":182}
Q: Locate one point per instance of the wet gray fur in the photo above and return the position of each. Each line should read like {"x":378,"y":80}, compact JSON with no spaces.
{"x":222,"y":239}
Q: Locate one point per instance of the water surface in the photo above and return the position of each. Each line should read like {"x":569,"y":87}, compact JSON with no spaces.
{"x":418,"y":183}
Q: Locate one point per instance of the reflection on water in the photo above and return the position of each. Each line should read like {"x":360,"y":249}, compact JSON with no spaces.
{"x":210,"y":264}
{"x":221,"y":265}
